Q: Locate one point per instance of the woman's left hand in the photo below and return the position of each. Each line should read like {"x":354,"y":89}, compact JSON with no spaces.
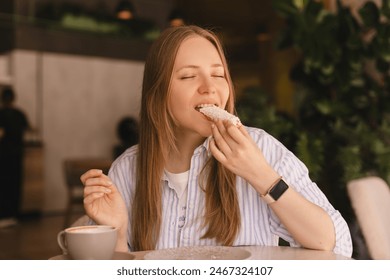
{"x":235,"y":149}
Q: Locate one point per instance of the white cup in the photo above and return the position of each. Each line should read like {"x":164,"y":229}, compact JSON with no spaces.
{"x":95,"y":242}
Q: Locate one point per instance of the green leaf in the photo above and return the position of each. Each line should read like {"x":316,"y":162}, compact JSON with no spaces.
{"x":324,"y":107}
{"x":382,"y":65}
{"x":385,"y":9}
{"x":350,"y":160}
{"x":327,"y":70}
{"x":369,"y":14}
{"x":285,"y":7}
{"x":312,"y":13}
{"x":300,"y":4}
{"x":311,"y":153}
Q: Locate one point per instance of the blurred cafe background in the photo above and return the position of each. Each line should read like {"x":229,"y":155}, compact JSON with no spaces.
{"x":315,"y":74}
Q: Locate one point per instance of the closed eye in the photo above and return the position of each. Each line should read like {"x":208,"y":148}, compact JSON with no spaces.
{"x":187,"y":77}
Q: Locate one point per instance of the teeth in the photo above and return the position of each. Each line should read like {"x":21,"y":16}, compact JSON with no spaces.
{"x":204,"y":106}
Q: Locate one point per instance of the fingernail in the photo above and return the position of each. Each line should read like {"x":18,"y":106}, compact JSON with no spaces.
{"x":107,"y":190}
{"x":109,"y":183}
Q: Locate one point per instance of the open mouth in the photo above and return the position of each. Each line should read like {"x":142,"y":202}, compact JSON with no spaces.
{"x":198,"y":107}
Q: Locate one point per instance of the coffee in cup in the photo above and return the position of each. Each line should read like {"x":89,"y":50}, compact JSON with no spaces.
{"x":94,"y":242}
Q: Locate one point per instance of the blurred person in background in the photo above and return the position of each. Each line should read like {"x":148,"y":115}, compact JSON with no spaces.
{"x":176,"y":18}
{"x":127,"y":131}
{"x":13,"y":124}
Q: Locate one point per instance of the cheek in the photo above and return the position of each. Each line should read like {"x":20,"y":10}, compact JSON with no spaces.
{"x":225,"y":95}
{"x":178,"y":102}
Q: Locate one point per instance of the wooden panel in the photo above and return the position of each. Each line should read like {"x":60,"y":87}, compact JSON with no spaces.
{"x":28,"y":37}
{"x":32,"y":195}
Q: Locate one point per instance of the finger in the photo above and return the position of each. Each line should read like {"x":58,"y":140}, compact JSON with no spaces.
{"x":90,"y":174}
{"x":92,"y":197}
{"x":220,"y":142}
{"x":216,"y":152}
{"x":238,"y":134}
{"x":222,"y":127}
{"x":243,"y":131}
{"x":99,"y":181}
{"x":96,"y":189}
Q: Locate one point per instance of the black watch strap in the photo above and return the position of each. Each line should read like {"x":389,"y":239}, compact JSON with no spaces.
{"x":275,"y":192}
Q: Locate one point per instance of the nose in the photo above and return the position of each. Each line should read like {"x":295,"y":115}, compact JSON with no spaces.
{"x":207,"y":86}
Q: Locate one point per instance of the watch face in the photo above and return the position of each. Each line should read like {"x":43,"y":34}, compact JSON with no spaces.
{"x":277,"y":191}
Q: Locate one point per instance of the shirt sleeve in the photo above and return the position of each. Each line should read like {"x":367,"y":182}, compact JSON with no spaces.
{"x":123,"y":175}
{"x":296,"y":175}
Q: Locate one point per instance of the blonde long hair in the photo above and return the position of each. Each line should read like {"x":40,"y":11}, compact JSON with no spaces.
{"x":156,"y":139}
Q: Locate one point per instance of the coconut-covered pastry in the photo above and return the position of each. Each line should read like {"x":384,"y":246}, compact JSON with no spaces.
{"x":216,"y":113}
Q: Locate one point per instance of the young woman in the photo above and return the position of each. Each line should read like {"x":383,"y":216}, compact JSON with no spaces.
{"x":193,"y":181}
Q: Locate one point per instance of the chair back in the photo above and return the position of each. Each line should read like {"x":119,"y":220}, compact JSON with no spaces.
{"x":73,"y":169}
{"x":370,"y":199}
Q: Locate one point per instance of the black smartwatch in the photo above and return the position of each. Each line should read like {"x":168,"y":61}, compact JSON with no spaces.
{"x":275,"y":192}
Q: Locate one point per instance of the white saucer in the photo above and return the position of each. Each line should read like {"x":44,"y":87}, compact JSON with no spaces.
{"x":116,"y":256}
{"x":199,"y":253}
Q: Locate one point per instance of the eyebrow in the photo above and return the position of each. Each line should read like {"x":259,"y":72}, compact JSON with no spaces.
{"x":216,"y":65}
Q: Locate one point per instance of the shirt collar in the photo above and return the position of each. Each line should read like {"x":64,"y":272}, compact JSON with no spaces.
{"x":204,"y":146}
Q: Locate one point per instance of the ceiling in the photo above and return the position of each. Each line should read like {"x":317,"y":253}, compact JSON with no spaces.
{"x":238,"y":15}
{"x":236,"y":21}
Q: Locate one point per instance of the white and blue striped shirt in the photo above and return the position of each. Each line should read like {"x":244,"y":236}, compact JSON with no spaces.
{"x":259,"y":225}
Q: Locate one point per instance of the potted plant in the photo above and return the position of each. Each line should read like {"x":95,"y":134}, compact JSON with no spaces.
{"x":342,"y":124}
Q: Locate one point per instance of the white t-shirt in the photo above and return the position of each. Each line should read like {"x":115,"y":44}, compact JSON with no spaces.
{"x":179,"y":182}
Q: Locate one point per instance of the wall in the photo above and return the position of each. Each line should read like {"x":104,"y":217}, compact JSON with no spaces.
{"x":74,"y":103}
{"x":5,"y":76}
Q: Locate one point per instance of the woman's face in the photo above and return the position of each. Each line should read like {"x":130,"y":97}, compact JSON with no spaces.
{"x":198,"y":78}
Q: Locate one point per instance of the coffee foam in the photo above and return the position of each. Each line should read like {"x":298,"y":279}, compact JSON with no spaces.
{"x":90,"y":229}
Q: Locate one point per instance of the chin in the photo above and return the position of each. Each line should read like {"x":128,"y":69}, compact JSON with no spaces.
{"x":205,"y":132}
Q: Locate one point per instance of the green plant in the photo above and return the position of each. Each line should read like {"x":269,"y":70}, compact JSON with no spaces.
{"x":255,"y":109}
{"x":343,"y":78}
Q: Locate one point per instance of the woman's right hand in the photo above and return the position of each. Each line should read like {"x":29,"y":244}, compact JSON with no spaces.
{"x":102,"y":201}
